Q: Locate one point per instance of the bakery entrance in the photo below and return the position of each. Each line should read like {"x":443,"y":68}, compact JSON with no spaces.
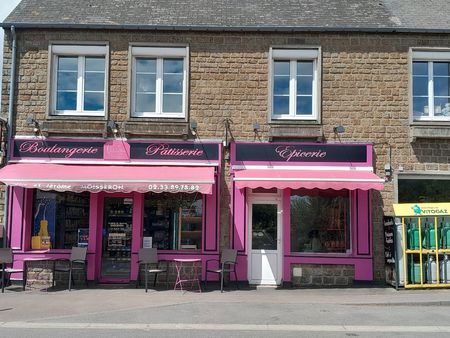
{"x":116,"y":239}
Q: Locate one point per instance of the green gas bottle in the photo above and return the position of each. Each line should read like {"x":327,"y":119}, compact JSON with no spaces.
{"x":414,"y":271}
{"x":413,"y":236}
{"x":429,"y":238}
{"x":446,"y":235}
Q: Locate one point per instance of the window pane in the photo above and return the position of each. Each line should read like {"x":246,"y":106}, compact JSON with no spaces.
{"x":66,"y":101}
{"x":281,"y":85}
{"x":304,"y":85}
{"x":95,"y":64}
{"x":93,"y":101}
{"x":420,"y":106}
{"x":68,"y":63}
{"x":441,"y":86}
{"x":281,"y":68}
{"x":172,"y":103}
{"x":94,"y":82}
{"x":305,"y":68}
{"x":174,"y":66}
{"x":420,"y":86}
{"x":145,"y":103}
{"x":423,"y":191}
{"x":173,"y":83}
{"x":264,"y":226}
{"x":61,"y":220}
{"x":281,"y":105}
{"x":67,"y":81}
{"x":146,"y":65}
{"x":442,"y":106}
{"x":441,"y":69}
{"x":146,"y":83}
{"x":420,"y":68}
{"x":320,"y":221}
{"x":174,"y":221}
{"x":304,"y":105}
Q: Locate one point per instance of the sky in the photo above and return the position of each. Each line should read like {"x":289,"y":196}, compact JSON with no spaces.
{"x":6,"y":6}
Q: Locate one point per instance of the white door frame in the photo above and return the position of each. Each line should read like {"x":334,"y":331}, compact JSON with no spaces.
{"x":263,"y":198}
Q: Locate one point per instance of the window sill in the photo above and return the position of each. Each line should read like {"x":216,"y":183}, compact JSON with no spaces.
{"x":297,"y":130}
{"x":322,"y":254}
{"x":430,"y":130}
{"x":73,"y":126}
{"x":156,"y":128}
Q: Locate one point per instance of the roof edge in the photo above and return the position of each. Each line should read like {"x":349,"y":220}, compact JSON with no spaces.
{"x":7,"y":25}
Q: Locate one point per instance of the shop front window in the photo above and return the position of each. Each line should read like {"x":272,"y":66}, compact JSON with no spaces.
{"x":60,"y":220}
{"x":412,"y":190}
{"x":173,"y":221}
{"x":320,"y":221}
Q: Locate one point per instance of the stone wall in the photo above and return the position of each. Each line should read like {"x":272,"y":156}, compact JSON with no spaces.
{"x":364,"y":88}
{"x":323,"y":275}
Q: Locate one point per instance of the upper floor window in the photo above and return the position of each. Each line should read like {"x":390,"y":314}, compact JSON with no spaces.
{"x":295,"y":85}
{"x":159,"y":82}
{"x":431,"y":85}
{"x":79,"y":76}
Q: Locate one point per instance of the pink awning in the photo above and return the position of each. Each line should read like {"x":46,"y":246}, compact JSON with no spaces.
{"x":309,"y":179}
{"x":95,"y":178}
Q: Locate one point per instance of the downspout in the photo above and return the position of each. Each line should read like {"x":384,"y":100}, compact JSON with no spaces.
{"x":9,"y":129}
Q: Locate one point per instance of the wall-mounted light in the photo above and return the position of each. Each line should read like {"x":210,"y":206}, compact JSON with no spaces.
{"x":339,"y":129}
{"x":256,"y":127}
{"x":32,"y":122}
{"x":111,"y":126}
{"x":194,"y":126}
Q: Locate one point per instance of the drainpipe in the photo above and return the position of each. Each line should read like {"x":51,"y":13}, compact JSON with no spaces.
{"x":9,"y":129}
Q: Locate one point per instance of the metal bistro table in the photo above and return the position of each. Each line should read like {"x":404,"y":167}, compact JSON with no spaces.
{"x":188,"y":271}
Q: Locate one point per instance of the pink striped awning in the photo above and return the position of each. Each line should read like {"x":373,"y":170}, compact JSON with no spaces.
{"x":308,"y":179}
{"x":117,"y":178}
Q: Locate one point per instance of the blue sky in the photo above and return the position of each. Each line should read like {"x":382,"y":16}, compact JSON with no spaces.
{"x":6,"y":6}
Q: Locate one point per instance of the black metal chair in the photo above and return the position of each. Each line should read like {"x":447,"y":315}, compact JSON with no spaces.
{"x":149,"y":258}
{"x":227,"y":263}
{"x":6,"y":257}
{"x":76,"y":262}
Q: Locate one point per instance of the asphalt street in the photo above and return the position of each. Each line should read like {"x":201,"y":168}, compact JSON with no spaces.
{"x":122,"y":312}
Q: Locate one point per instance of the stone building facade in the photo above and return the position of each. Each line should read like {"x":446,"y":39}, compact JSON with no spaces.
{"x":365,"y":81}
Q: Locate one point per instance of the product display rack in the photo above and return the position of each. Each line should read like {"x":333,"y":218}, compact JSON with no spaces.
{"x":190,"y":230}
{"x":425,"y":250}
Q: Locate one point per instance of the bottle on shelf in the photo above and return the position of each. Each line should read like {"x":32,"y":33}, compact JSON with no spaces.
{"x":445,"y":235}
{"x":413,"y":236}
{"x":429,"y":239}
{"x":414,"y":271}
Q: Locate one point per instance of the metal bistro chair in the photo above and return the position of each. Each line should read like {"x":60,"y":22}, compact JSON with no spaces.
{"x":76,"y":262}
{"x":6,"y":257}
{"x":149,"y":258}
{"x":227,"y":264}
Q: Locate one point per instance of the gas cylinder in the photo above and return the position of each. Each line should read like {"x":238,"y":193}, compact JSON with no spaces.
{"x":444,"y":270}
{"x":413,"y":236}
{"x":431,"y":270}
{"x":414,"y":271}
{"x":446,"y":235}
{"x":429,"y":238}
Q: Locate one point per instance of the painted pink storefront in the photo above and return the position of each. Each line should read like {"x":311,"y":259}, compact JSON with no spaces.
{"x":113,"y":197}
{"x":301,"y":204}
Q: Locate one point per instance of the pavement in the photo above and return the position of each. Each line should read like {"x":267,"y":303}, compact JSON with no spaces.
{"x":114,"y":310}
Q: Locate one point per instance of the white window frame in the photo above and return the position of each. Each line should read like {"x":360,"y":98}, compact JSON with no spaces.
{"x":294,"y":55}
{"x":159,"y":53}
{"x":430,"y":56}
{"x":81,"y":52}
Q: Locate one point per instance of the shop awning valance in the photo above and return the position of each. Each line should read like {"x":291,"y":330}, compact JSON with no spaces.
{"x":308,"y":179}
{"x":109,"y":178}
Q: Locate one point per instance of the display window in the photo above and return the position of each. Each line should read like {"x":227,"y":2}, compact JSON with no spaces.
{"x":60,"y":220}
{"x":320,"y":221}
{"x":173,"y":221}
{"x":424,"y":190}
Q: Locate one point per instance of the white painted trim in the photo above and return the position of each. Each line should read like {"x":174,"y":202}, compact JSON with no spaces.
{"x":79,"y":50}
{"x":301,"y":53}
{"x":430,"y":55}
{"x":159,"y":51}
{"x":275,"y":199}
{"x":301,"y":167}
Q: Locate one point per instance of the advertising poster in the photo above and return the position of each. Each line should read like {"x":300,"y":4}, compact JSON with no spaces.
{"x":44,"y":220}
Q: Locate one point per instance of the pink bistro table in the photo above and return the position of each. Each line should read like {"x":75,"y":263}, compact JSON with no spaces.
{"x":188,"y":271}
